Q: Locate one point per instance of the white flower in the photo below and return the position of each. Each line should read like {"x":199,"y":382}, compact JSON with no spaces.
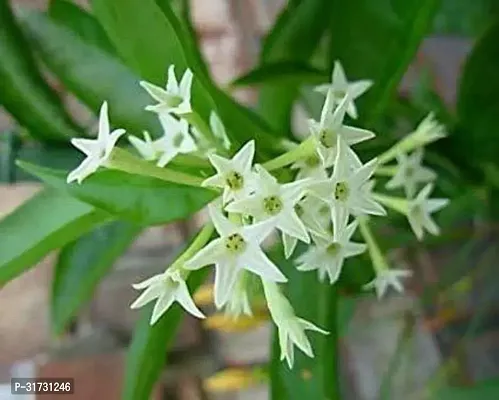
{"x":97,"y":150}
{"x":176,"y":139}
{"x":177,"y":96}
{"x":238,"y":302}
{"x":165,"y":288}
{"x":348,"y":191}
{"x":410,"y":173}
{"x":235,"y":175}
{"x":330,"y":127}
{"x":237,"y":248}
{"x":149,"y":149}
{"x":275,"y":203}
{"x":291,"y":329}
{"x":429,"y":130}
{"x":310,"y":167}
{"x":341,"y":88}
{"x":327,"y":256}
{"x":388,"y":277}
{"x":316,"y":217}
{"x":420,"y":209}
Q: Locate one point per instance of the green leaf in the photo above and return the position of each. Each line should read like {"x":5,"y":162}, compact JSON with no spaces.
{"x":23,"y":91}
{"x":147,"y":353}
{"x":310,"y":378}
{"x":478,"y":104}
{"x":485,"y":390}
{"x":42,"y":224}
{"x":136,"y":198}
{"x":377,"y":41}
{"x":82,"y":264}
{"x":463,"y":17}
{"x":294,"y":38}
{"x":91,"y":74}
{"x":82,"y":23}
{"x":282,"y":72}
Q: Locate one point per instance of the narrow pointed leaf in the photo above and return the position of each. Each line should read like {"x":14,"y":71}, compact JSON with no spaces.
{"x":23,"y":91}
{"x":285,"y":72}
{"x":42,"y":224}
{"x":92,"y":74}
{"x":81,"y":22}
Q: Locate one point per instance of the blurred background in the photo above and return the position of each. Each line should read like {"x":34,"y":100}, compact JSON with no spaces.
{"x":445,"y":327}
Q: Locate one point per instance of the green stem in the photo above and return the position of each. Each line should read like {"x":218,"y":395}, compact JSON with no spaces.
{"x":398,"y":204}
{"x":377,"y":257}
{"x":305,"y":149}
{"x":385,"y":171}
{"x":197,"y":244}
{"x":122,"y":160}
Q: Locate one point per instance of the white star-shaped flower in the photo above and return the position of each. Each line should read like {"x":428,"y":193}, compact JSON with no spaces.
{"x":388,"y":277}
{"x":341,"y":88}
{"x":310,"y":167}
{"x":316,"y":217}
{"x":348,"y":190}
{"x":175,"y":98}
{"x":237,"y":248}
{"x":410,"y":173}
{"x":234,"y":176}
{"x":275,"y":203}
{"x":327,"y":256}
{"x":149,"y":149}
{"x":330,"y":127}
{"x":97,"y":150}
{"x":420,"y":209}
{"x":165,"y":288}
{"x":175,"y":140}
{"x":291,"y":329}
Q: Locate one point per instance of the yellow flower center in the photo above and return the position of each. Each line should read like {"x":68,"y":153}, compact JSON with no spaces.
{"x":235,"y":243}
{"x":234,"y":180}
{"x":272,"y":205}
{"x":341,"y":191}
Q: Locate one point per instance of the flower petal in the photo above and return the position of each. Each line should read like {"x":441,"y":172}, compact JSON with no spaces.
{"x":103,"y":123}
{"x":225,"y":279}
{"x":185,"y":300}
{"x":210,"y":254}
{"x":244,"y":157}
{"x":255,"y":260}
{"x":162,"y":305}
{"x":151,"y":293}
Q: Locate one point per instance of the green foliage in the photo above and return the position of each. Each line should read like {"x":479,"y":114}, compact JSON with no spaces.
{"x":284,"y":72}
{"x":80,"y":22}
{"x":478,"y":104}
{"x":146,"y":356}
{"x":377,"y":41}
{"x":58,"y":218}
{"x":294,"y":38}
{"x":136,"y":198}
{"x":23,"y":91}
{"x":91,"y":74}
{"x":82,"y":264}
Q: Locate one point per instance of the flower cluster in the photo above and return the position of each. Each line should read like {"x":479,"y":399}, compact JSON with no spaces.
{"x":331,"y":196}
